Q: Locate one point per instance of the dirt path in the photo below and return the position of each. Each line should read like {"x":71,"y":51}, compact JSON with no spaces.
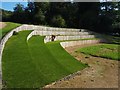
{"x":102,"y":73}
{"x":2,"y":25}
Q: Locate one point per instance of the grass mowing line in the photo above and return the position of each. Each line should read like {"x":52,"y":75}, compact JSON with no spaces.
{"x":109,"y":51}
{"x":10,"y":26}
{"x":32,"y":65}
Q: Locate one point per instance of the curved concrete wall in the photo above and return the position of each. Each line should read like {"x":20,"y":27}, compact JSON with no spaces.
{"x":48,"y":38}
{"x":44,"y":32}
{"x":58,"y":29}
{"x":83,"y":42}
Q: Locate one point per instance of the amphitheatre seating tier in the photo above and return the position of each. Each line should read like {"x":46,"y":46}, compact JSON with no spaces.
{"x":48,"y":38}
{"x":83,"y":42}
{"x":60,"y":29}
{"x":44,"y":28}
{"x":44,"y":33}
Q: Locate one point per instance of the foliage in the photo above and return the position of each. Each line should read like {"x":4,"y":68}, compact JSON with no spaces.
{"x":105,"y":50}
{"x":58,"y":21}
{"x":6,"y":15}
{"x":40,"y":11}
{"x":88,"y":14}
{"x":34,"y":64}
{"x":18,"y":14}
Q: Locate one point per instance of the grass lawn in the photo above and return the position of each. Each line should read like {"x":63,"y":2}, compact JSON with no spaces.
{"x":9,"y":26}
{"x":34,"y":64}
{"x":104,"y":50}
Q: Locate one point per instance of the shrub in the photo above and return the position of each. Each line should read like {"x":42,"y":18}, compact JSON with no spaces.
{"x":58,"y":21}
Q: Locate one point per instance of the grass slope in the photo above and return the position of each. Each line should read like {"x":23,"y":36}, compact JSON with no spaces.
{"x":63,"y":57}
{"x":17,"y":66}
{"x":105,"y":50}
{"x":32,"y":64}
{"x":8,"y":27}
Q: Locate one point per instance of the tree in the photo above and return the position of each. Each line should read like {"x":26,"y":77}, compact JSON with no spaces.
{"x":66,"y":10}
{"x":19,"y":8}
{"x":87,"y":14}
{"x":18,"y":14}
{"x":29,"y":12}
{"x":58,"y":21}
{"x":6,"y":15}
{"x":109,"y":17}
{"x":40,"y":11}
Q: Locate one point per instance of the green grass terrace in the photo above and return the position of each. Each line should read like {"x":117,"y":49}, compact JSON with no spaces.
{"x":9,"y":26}
{"x":109,"y":51}
{"x":34,"y":64}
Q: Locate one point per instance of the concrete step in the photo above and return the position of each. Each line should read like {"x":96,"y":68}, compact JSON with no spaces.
{"x":59,"y":29}
{"x":49,"y":38}
{"x":60,"y":33}
{"x":83,"y":42}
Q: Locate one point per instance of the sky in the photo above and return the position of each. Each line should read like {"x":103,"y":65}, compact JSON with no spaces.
{"x":10,"y":5}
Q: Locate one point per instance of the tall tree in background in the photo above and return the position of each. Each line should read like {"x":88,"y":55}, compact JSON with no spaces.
{"x":66,"y":10}
{"x":87,"y":14}
{"x":29,"y":12}
{"x":116,"y":21}
{"x":55,"y":14}
{"x":107,"y":16}
{"x":18,"y":14}
{"x":6,"y":15}
{"x":40,"y":11}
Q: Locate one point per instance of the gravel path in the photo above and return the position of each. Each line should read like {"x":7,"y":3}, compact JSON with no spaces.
{"x":102,"y":73}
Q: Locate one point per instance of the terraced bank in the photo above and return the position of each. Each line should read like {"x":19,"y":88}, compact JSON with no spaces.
{"x":27,"y":62}
{"x":33,"y":64}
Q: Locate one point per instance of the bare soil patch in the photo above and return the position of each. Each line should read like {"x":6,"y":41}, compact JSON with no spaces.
{"x":102,"y":73}
{"x":2,"y":25}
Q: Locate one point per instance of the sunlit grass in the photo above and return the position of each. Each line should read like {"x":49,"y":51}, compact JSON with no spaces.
{"x":105,"y":50}
{"x":33,"y":64}
{"x":9,"y":26}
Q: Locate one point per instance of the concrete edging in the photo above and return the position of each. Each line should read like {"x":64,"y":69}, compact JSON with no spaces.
{"x":82,"y":42}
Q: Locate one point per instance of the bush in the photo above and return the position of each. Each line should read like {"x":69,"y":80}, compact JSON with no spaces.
{"x":58,"y":21}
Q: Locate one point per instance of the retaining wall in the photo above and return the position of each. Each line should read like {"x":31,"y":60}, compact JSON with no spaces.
{"x":48,"y":38}
{"x":39,"y":32}
{"x":83,"y":42}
